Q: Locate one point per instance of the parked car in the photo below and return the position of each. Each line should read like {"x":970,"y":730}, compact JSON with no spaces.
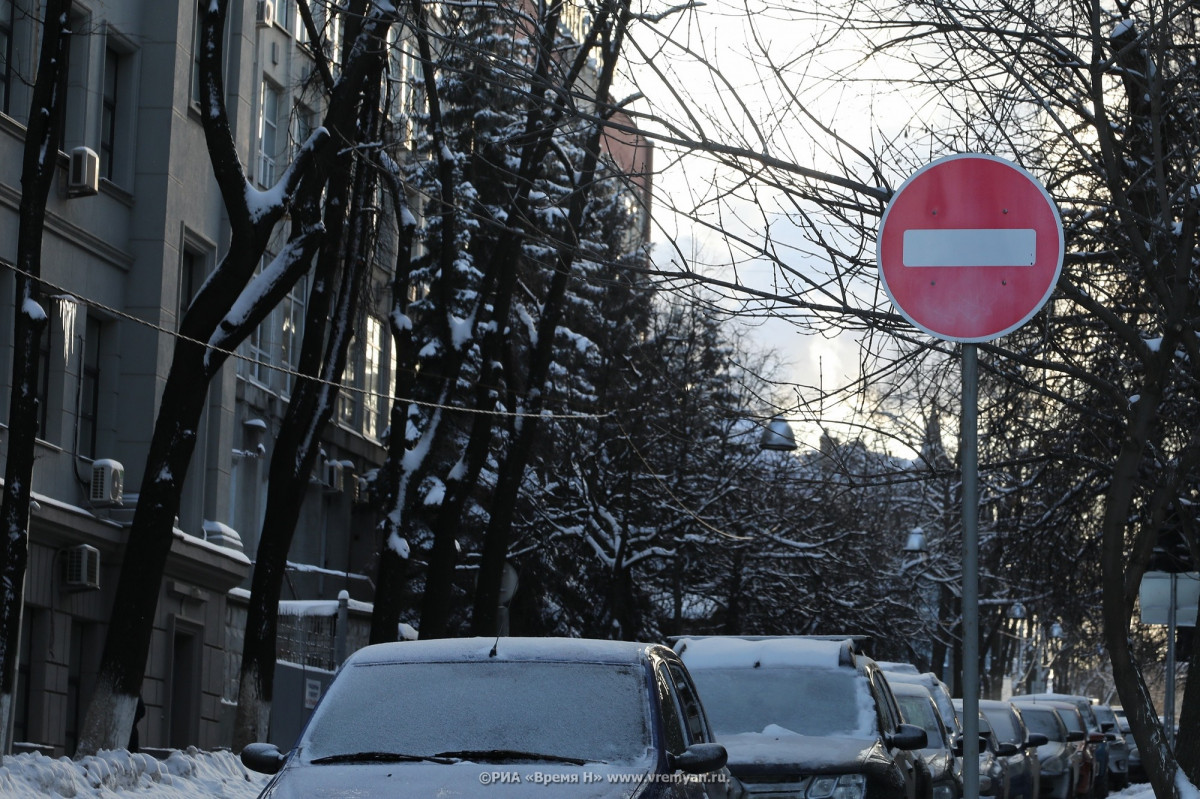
{"x":1118,"y":750}
{"x":937,"y":689}
{"x":1099,"y":748}
{"x":895,"y":666}
{"x":803,"y":717}
{"x":917,"y":707}
{"x":992,"y":764}
{"x":1060,"y":757}
{"x":1017,"y":745}
{"x":1137,"y":773}
{"x":490,"y":717}
{"x":1084,"y":740}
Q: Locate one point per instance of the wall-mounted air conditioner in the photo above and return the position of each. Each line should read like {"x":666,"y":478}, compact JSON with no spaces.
{"x":81,"y":567}
{"x":108,"y":477}
{"x":83,"y":173}
{"x":265,"y":13}
{"x":362,"y":491}
{"x":335,"y":476}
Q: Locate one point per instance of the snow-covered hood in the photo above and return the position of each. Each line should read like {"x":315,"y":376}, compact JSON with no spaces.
{"x":465,"y":779}
{"x":785,"y":752}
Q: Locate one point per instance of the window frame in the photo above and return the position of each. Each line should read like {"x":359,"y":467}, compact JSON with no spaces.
{"x":7,"y":32}
{"x":268,"y":156}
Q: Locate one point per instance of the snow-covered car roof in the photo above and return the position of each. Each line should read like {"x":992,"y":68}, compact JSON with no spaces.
{"x":765,"y":652}
{"x":504,"y":648}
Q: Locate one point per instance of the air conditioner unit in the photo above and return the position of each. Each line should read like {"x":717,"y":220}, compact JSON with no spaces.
{"x":107,"y":489}
{"x":266,"y":13}
{"x":83,"y":173}
{"x":81,"y":567}
{"x":334,"y":477}
{"x":362,"y":491}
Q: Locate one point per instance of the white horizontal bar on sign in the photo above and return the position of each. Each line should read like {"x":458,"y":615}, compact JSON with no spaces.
{"x":970,"y":247}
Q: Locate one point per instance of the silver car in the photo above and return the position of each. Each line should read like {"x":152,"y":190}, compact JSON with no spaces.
{"x":1060,"y":757}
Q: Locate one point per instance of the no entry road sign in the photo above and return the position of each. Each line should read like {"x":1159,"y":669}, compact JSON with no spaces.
{"x":970,"y":247}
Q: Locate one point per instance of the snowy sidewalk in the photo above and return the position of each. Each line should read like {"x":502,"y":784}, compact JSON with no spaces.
{"x":182,"y":775}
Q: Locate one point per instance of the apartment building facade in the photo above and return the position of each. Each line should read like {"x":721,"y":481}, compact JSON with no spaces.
{"x":125,"y":249}
{"x":134,"y":224}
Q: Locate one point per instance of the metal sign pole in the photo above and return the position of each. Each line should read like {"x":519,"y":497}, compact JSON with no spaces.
{"x":1169,"y":699}
{"x":970,"y":579}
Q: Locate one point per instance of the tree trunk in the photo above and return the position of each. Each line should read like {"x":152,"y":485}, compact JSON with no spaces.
{"x":512,"y":469}
{"x":29,"y":320}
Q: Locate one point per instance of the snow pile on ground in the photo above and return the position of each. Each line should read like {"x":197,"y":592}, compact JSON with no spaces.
{"x":193,"y":774}
{"x":189,"y":774}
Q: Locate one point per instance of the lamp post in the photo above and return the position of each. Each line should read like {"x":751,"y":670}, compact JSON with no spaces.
{"x":1016,"y":612}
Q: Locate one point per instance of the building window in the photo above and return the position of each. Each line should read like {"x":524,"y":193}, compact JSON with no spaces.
{"x":350,"y":396}
{"x":89,"y":390}
{"x":74,"y":119}
{"x":191,"y":272}
{"x":44,"y":362}
{"x":268,"y":135}
{"x":303,"y":125}
{"x":257,"y":347}
{"x":6,"y":37}
{"x":375,"y":379}
{"x":329,"y":25}
{"x":292,"y":311}
{"x":271,"y":353}
{"x":285,"y":15}
{"x":196,"y":50}
{"x":108,"y":113}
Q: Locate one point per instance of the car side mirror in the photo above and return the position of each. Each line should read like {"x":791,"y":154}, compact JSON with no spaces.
{"x":1036,"y":739}
{"x":1108,"y":726}
{"x":1075,"y":736}
{"x":1006,"y":749}
{"x":1096,"y":738}
{"x":908,"y":737}
{"x":263,"y":757}
{"x":958,"y":745}
{"x":699,"y":758}
{"x":1110,"y":736}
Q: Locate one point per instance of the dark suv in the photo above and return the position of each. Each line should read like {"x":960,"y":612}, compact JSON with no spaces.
{"x":806,"y":718}
{"x":489,"y":717}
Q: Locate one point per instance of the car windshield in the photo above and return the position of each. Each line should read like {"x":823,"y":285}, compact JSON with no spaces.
{"x":1045,"y":721}
{"x":1105,"y":715}
{"x":588,"y":711}
{"x":1073,"y":720}
{"x":919,"y":710}
{"x":806,"y":701}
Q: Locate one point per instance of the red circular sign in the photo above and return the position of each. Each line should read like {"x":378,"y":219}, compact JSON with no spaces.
{"x":970,"y":247}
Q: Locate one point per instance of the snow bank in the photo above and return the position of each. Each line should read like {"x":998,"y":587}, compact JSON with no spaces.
{"x":189,"y":774}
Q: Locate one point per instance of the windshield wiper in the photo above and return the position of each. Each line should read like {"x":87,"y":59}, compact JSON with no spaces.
{"x":382,"y":757}
{"x":512,"y":754}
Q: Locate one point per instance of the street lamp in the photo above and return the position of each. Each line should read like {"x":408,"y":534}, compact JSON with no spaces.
{"x":1016,"y":612}
{"x":915,"y":542}
{"x":778,"y":435}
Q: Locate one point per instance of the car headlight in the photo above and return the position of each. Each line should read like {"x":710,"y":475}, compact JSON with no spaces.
{"x":943,"y":790}
{"x":837,"y":786}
